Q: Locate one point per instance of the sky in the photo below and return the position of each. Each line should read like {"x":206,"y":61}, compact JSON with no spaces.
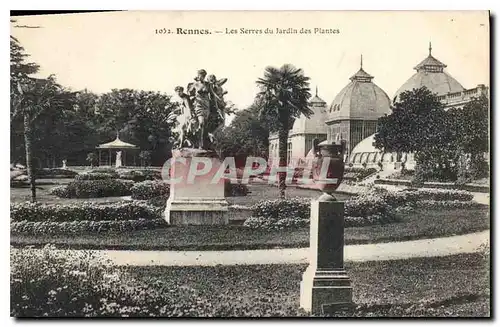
{"x":103,"y":51}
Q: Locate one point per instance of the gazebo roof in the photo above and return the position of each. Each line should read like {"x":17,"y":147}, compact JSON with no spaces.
{"x":117,"y":144}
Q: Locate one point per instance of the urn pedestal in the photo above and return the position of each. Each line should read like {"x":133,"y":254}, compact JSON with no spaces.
{"x":325,"y":285}
{"x":196,"y":199}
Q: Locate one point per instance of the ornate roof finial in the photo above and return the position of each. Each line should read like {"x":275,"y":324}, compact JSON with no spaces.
{"x":361,"y":61}
{"x":316,"y":90}
{"x":430,"y":48}
{"x":117,"y":134}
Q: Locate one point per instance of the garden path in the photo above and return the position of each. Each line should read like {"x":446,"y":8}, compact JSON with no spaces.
{"x":468,"y":243}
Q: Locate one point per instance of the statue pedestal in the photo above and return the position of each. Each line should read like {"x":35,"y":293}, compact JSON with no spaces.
{"x":199,"y":201}
{"x":325,"y":285}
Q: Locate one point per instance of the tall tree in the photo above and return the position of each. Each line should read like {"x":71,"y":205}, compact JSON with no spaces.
{"x":417,"y":124}
{"x":20,"y":70}
{"x":141,"y":116}
{"x":247,"y":135}
{"x":470,"y":128}
{"x":284,"y":96}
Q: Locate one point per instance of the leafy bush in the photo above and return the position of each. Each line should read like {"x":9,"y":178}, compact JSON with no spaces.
{"x":88,"y":211}
{"x":234,"y":189}
{"x":94,"y":188}
{"x":79,"y":226}
{"x":282,"y":208}
{"x":149,"y":189}
{"x":94,"y":175}
{"x":140,"y":175}
{"x":55,"y":173}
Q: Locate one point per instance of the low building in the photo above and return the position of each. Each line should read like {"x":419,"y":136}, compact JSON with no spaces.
{"x":302,"y":133}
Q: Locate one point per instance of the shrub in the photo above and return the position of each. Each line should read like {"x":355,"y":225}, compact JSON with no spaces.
{"x":280,"y":209}
{"x":79,"y":226}
{"x":55,"y":173}
{"x":94,"y":188}
{"x":149,"y":189}
{"x":140,"y":175}
{"x":60,"y":191}
{"x":234,"y":189}
{"x":93,"y":176}
{"x":33,"y":212}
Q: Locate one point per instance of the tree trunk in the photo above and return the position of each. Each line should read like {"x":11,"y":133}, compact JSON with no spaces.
{"x":28,"y":141}
{"x":282,"y":154}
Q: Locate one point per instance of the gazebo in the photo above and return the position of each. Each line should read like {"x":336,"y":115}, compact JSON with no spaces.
{"x":117,"y":145}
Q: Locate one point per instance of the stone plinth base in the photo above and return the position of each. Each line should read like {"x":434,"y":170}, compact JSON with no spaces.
{"x":197,"y":212}
{"x":325,"y":286}
{"x":197,"y":198}
{"x":323,"y":292}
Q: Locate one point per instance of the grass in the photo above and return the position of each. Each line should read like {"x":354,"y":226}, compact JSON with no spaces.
{"x":258,"y":192}
{"x":22,"y":194}
{"x":453,"y":286}
{"x":421,"y":223}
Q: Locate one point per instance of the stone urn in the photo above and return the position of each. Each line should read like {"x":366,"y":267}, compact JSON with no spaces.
{"x":328,"y":166}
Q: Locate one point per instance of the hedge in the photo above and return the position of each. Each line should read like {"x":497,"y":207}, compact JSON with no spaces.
{"x":234,"y":189}
{"x":94,"y":188}
{"x":150,"y":189}
{"x":86,"y":211}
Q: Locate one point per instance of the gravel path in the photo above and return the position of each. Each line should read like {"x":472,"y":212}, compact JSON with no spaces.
{"x":365,"y":252}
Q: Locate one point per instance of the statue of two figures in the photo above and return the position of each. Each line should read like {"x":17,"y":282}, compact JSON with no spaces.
{"x":201,"y":113}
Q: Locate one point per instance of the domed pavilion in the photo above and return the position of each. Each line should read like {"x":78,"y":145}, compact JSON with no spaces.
{"x":430,"y":73}
{"x":354,"y":112}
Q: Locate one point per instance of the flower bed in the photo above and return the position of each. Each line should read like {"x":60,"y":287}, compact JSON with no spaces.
{"x":81,"y":226}
{"x":373,"y":206}
{"x":95,"y":175}
{"x":94,"y":188}
{"x":150,"y":189}
{"x":358,"y":174}
{"x":48,"y":283}
{"x":86,"y":211}
{"x":55,"y":173}
{"x":140,"y":175}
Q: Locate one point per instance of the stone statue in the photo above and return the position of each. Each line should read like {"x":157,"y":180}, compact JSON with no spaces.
{"x":118,"y":162}
{"x":202,"y":112}
{"x":64,"y":164}
{"x":186,"y":120}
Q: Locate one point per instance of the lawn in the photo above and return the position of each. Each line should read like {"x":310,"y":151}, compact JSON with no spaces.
{"x":421,"y":223}
{"x":448,"y":286}
{"x":22,"y":194}
{"x":258,"y":192}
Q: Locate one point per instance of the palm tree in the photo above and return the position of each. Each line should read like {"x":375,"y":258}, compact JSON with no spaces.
{"x":284,"y":96}
{"x":29,"y":99}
